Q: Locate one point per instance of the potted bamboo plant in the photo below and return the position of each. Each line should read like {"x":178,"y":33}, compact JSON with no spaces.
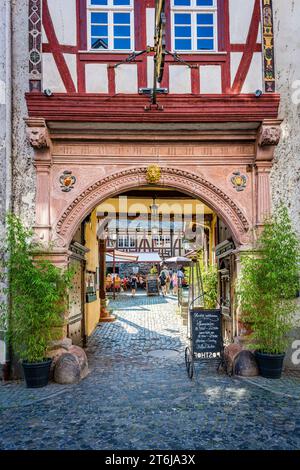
{"x":267,"y":290}
{"x":36,"y":293}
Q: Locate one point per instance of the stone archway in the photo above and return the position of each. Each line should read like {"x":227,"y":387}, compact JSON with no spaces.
{"x":117,"y":183}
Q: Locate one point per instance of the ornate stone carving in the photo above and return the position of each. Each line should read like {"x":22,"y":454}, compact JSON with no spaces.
{"x":35,"y":44}
{"x":170,"y":177}
{"x":38,"y":137}
{"x":239,"y":181}
{"x":153,"y":174}
{"x":67,"y":181}
{"x":269,"y":135}
{"x":268,"y":46}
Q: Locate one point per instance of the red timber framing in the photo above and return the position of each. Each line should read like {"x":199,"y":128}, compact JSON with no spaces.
{"x":76,"y":104}
{"x":222,"y":58}
{"x":131,"y":108}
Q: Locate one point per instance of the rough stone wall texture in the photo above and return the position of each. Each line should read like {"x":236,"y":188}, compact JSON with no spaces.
{"x":23,"y":169}
{"x":286,"y":172}
{"x":3,"y":113}
{"x":285,"y":178}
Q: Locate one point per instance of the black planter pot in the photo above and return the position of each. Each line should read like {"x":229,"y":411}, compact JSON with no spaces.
{"x":37,"y":374}
{"x":270,"y":365}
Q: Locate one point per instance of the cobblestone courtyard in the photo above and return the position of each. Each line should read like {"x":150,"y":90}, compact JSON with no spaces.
{"x":138,"y":396}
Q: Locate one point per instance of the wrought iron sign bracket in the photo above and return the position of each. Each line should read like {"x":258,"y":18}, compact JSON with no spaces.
{"x":177,"y":58}
{"x":159,"y":50}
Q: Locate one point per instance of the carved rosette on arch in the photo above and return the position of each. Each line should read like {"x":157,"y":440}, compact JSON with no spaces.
{"x":170,"y":177}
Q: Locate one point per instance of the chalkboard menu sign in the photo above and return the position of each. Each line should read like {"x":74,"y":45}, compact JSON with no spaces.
{"x":152,"y":285}
{"x":206,"y":329}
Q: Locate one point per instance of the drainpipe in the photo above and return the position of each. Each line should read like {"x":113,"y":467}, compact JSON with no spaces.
{"x":8,"y":142}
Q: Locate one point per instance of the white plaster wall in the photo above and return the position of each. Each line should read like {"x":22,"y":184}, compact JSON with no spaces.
{"x":51,"y":76}
{"x":180,"y":79}
{"x":240,"y":14}
{"x":254,"y":80}
{"x":96,"y":78}
{"x":63,"y":14}
{"x":235,"y":60}
{"x":126,"y":78}
{"x":210,"y":79}
{"x":150,"y":71}
{"x":259,"y":34}
{"x":71,"y":62}
{"x":44,"y":36}
{"x":150,"y":15}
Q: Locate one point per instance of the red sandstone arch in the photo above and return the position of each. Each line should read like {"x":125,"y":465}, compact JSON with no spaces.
{"x":117,"y":183}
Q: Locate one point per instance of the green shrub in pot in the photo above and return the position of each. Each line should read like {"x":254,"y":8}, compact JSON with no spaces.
{"x":267,"y":289}
{"x":37,"y":293}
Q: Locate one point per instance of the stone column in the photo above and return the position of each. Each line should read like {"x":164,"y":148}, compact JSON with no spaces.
{"x":263,"y":192}
{"x":38,"y":136}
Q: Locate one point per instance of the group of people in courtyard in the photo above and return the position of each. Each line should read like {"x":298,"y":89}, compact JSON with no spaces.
{"x":168,"y":279}
{"x":115,"y":282}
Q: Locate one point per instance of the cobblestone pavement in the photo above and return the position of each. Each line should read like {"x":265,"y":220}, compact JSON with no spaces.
{"x":138,"y":396}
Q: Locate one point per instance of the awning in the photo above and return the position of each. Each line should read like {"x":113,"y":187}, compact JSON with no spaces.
{"x":177,"y":259}
{"x":122,"y":257}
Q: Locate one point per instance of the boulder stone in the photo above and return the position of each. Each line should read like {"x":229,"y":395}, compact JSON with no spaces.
{"x":67,"y":369}
{"x":64,"y":343}
{"x":83,"y":362}
{"x":245,"y":364}
{"x":55,"y":355}
{"x":230,"y":353}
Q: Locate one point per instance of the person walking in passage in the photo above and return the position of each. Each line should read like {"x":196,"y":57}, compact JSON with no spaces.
{"x":133,"y":284}
{"x":175,"y":283}
{"x":163,"y":283}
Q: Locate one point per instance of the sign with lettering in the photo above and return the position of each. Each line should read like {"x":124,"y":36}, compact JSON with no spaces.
{"x":152,"y":285}
{"x":206,"y":329}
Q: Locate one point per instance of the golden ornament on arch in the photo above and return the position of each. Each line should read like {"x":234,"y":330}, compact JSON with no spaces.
{"x":153,"y":174}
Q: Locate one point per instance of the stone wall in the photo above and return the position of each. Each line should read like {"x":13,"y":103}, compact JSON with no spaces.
{"x":5,"y":111}
{"x":286,"y":172}
{"x":5,"y":132}
{"x":17,"y":173}
{"x":23,"y":169}
{"x":285,"y":177}
{"x":16,"y":156}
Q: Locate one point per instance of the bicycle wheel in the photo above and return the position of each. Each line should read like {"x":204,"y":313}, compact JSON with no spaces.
{"x":189,"y":363}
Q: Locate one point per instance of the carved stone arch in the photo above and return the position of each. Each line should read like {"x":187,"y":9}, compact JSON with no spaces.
{"x":117,"y":183}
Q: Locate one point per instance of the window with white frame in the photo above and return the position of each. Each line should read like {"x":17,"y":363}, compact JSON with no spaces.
{"x":194,"y":25}
{"x":111,"y":25}
{"x":161,"y":240}
{"x":126,"y":241}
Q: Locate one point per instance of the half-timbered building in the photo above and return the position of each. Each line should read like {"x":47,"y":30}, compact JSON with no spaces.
{"x":97,"y":129}
{"x":97,"y":119}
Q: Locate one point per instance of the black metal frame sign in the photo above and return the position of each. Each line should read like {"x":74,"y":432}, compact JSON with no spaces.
{"x":152,"y":286}
{"x":206,"y":330}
